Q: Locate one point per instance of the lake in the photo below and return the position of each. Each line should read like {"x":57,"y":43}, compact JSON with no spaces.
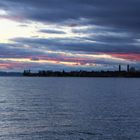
{"x":69,"y":108}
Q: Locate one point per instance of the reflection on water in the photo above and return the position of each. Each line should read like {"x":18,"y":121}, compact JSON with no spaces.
{"x":69,"y":109}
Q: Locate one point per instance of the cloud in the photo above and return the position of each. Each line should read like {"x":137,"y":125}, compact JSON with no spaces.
{"x":79,"y":26}
{"x":48,"y":31}
{"x":99,"y":44}
{"x":120,"y":14}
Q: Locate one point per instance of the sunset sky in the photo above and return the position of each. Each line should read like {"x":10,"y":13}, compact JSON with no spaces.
{"x":69,"y":34}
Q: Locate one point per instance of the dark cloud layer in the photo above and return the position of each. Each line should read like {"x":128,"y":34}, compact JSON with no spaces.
{"x":118,"y":13}
{"x":51,"y":31}
{"x":102,"y":44}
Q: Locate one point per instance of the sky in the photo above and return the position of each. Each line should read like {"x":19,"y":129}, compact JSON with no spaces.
{"x":69,"y":34}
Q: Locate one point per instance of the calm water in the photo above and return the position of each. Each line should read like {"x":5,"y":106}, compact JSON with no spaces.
{"x":69,"y":109}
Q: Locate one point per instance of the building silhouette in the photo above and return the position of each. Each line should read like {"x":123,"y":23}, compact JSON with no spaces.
{"x":119,"y":68}
{"x":130,"y":72}
{"x":128,"y":68}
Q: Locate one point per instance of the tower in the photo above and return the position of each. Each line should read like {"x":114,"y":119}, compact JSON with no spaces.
{"x":128,"y":68}
{"x":119,"y":68}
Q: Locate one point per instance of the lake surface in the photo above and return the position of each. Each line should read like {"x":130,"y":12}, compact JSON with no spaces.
{"x":69,"y":108}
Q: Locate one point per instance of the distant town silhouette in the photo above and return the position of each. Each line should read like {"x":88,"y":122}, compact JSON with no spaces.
{"x":130,"y":72}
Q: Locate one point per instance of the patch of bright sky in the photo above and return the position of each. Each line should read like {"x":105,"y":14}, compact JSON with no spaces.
{"x":89,"y":56}
{"x":3,"y":12}
{"x":27,"y":60}
{"x":12,"y":29}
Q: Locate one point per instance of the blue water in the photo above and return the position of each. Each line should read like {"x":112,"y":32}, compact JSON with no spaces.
{"x":69,"y":108}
